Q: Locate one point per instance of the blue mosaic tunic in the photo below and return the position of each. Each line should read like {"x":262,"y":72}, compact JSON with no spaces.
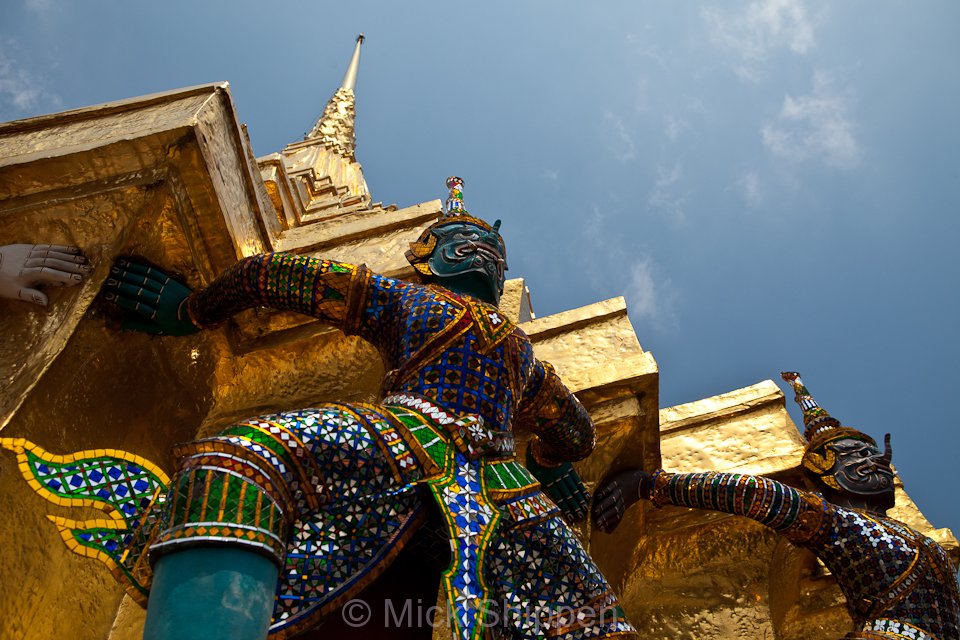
{"x":330,"y":492}
{"x":898,"y":583}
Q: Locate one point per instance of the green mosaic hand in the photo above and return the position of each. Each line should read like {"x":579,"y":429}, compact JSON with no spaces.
{"x":563,"y":484}
{"x":152,"y":301}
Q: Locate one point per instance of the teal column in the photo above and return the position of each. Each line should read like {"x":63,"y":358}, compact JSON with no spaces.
{"x":211,"y":593}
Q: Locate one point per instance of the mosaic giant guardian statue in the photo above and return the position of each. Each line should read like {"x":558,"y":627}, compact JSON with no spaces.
{"x":280,"y":519}
{"x":897,"y":582}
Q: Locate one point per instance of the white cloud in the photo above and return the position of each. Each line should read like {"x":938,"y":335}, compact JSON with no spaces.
{"x":40,"y":6}
{"x":644,"y":45}
{"x":749,"y":184}
{"x":17,"y":87}
{"x":623,"y":146}
{"x":763,"y":25}
{"x":647,"y":298}
{"x":669,"y":178}
{"x":551,"y":175}
{"x":664,"y":197}
{"x":673,"y":126}
{"x":814,"y":126}
{"x":593,"y":229}
{"x":20,"y":90}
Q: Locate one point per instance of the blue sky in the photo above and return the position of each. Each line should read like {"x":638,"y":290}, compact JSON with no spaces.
{"x":772,"y":184}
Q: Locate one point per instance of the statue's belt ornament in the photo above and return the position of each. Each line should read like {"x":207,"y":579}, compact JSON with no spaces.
{"x":885,"y":629}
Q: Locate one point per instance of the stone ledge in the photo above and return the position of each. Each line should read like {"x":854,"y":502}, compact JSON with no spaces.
{"x":724,"y":405}
{"x":626,"y":373}
{"x":356,"y":226}
{"x":115,"y":107}
{"x":544,"y":328}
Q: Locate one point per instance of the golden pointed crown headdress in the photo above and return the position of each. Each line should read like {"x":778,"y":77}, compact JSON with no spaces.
{"x":453,"y":212}
{"x":820,"y":429}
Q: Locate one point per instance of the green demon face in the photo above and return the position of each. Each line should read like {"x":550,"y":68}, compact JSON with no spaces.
{"x":471,"y":256}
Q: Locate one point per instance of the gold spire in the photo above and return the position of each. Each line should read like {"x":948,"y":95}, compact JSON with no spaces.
{"x":336,"y":128}
{"x":350,"y":77}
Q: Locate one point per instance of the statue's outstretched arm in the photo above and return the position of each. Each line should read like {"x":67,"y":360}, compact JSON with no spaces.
{"x":798,"y":515}
{"x":328,"y":290}
{"x":335,"y":292}
{"x":24,"y":267}
{"x":794,"y":513}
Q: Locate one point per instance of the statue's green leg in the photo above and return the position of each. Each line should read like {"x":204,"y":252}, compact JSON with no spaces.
{"x":211,"y":593}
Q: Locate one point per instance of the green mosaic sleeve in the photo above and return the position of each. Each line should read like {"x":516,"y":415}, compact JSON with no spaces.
{"x":799,"y":515}
{"x":335,"y":292}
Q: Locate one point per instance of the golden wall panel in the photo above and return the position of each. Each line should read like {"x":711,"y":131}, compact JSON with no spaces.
{"x":743,"y":431}
{"x":515,"y":301}
{"x":103,"y":389}
{"x":704,"y":582}
{"x":130,"y":178}
{"x":294,"y":375}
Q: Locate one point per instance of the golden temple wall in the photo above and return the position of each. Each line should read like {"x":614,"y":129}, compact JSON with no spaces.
{"x":154,"y":177}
